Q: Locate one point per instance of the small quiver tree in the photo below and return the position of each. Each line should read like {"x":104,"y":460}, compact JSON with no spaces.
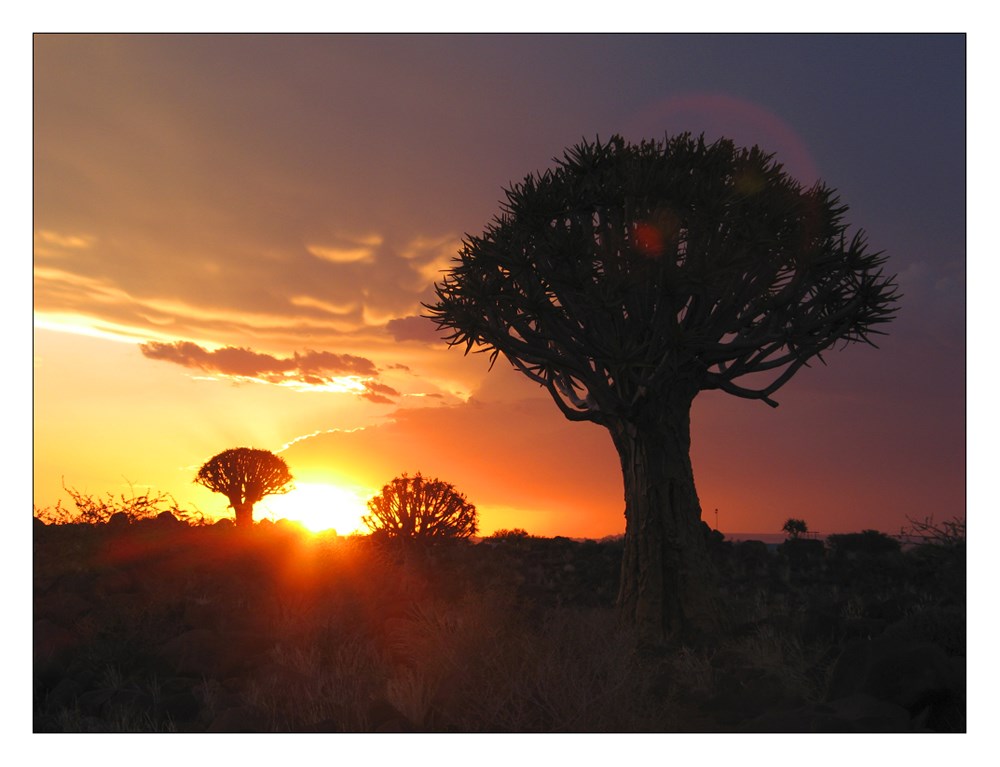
{"x":419,"y":509}
{"x":631,"y":277}
{"x":793,"y":528}
{"x":245,"y":475}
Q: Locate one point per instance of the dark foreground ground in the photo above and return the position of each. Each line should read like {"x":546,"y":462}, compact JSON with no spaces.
{"x":158,"y":626}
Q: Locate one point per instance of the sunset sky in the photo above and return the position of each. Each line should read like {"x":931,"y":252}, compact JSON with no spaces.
{"x":233,"y":236}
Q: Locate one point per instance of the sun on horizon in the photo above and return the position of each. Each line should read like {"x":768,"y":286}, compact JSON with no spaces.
{"x":318,"y":506}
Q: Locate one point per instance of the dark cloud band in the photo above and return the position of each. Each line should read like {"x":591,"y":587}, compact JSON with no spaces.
{"x":313,"y":368}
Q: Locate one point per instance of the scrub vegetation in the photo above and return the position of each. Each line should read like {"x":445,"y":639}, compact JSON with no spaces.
{"x":154,"y":623}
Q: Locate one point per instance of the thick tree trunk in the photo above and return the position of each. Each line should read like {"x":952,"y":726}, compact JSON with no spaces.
{"x":244,"y":515}
{"x":668,"y":590}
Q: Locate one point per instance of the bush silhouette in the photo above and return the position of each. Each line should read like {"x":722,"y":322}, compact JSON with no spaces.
{"x":865,"y":543}
{"x":115,"y":510}
{"x":793,"y":528}
{"x":245,"y":475}
{"x":514,"y":534}
{"x":415,"y":508}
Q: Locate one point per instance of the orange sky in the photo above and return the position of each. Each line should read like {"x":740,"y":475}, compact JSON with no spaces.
{"x":233,"y":237}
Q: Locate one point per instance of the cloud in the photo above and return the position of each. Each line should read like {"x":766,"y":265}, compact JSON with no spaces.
{"x":347,"y":250}
{"x":50,"y":243}
{"x":379,"y":393}
{"x":312,"y":369}
{"x":414,"y":328}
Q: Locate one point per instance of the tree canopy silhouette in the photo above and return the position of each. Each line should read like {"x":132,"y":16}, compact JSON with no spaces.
{"x":630,"y":277}
{"x":245,"y":475}
{"x":415,"y":508}
{"x":793,"y":528}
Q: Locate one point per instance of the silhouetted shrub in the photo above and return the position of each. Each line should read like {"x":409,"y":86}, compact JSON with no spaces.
{"x":514,"y":534}
{"x":802,"y":552}
{"x":752,"y":555}
{"x":94,"y":510}
{"x":948,"y":533}
{"x":865,"y":543}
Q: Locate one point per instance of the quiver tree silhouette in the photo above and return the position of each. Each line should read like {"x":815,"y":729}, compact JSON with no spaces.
{"x":629,"y":278}
{"x":793,"y":528}
{"x":245,"y":475}
{"x":419,"y":509}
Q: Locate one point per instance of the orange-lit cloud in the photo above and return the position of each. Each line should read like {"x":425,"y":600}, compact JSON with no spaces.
{"x":414,"y":328}
{"x":344,"y":293}
{"x":49,"y":243}
{"x":345,"y":372}
{"x":347,"y":250}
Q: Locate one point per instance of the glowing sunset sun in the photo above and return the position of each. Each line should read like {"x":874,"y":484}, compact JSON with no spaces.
{"x":318,"y":506}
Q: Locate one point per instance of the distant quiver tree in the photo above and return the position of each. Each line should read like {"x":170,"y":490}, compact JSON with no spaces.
{"x":415,"y":508}
{"x":793,"y":528}
{"x":631,"y":277}
{"x":245,"y":475}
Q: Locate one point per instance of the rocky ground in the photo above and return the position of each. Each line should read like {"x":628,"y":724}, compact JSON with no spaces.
{"x":162,"y":626}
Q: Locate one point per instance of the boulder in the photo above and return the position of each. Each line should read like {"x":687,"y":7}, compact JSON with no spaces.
{"x":240,"y":719}
{"x":118,"y":521}
{"x":913,"y":674}
{"x":209,"y":653}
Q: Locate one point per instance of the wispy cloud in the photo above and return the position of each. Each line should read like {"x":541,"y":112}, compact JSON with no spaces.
{"x":347,"y":250}
{"x":379,"y":393}
{"x":48,"y":242}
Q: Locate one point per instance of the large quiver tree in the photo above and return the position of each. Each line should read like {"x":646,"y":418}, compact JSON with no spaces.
{"x":629,"y":278}
{"x":245,"y":475}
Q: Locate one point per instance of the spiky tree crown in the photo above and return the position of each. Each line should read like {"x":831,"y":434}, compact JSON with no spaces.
{"x":419,"y":508}
{"x":629,"y":270}
{"x":245,"y":475}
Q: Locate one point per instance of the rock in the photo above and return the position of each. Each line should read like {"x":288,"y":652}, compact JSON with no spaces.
{"x":177,"y":699}
{"x":854,"y":714}
{"x":749,"y":691}
{"x":869,"y":714}
{"x":64,"y":694}
{"x":202,"y":614}
{"x":196,"y":652}
{"x":910,"y":674}
{"x":384,"y":717}
{"x":240,"y":719}
{"x":51,"y":644}
{"x":93,"y":702}
{"x":114,"y":582}
{"x":864,"y":628}
{"x":204,"y":652}
{"x":796,"y":720}
{"x":323,"y":725}
{"x":118,"y":521}
{"x":166,"y":519}
{"x":62,"y":607}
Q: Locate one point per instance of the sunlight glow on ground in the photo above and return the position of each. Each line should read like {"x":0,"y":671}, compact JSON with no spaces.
{"x":318,"y":506}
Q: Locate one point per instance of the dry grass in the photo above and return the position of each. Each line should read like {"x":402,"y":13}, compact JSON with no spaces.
{"x":348,"y":637}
